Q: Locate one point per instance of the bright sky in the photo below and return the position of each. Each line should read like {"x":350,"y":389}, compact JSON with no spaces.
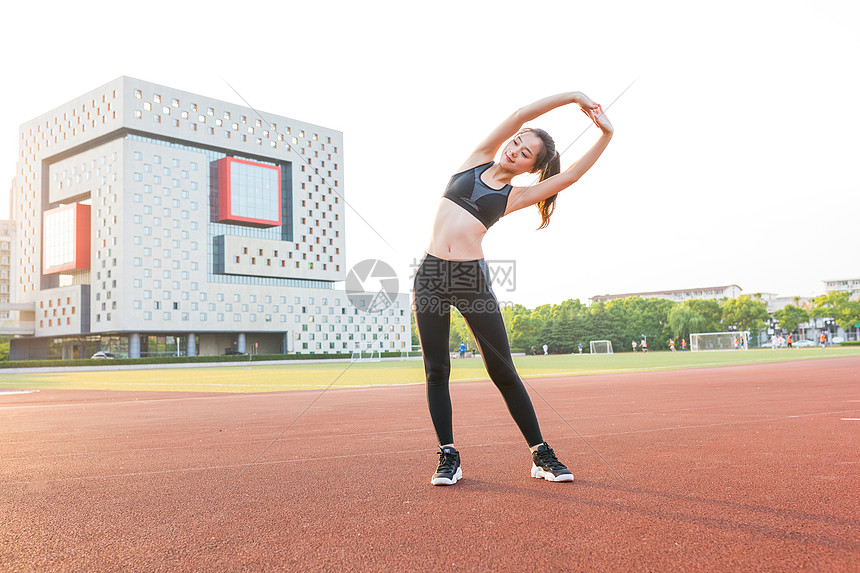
{"x":735,"y":158}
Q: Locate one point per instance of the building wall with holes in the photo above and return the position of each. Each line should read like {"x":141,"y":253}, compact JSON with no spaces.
{"x":148,"y":161}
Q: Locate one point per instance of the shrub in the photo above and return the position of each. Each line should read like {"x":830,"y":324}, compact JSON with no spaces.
{"x":183,"y":360}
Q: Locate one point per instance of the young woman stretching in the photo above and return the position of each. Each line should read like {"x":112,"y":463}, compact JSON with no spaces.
{"x":454,"y":273}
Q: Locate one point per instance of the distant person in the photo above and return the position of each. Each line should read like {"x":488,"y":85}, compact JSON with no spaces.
{"x":634,"y":346}
{"x":672,"y":344}
{"x":545,"y":349}
{"x":736,"y":342}
{"x":580,"y":348}
{"x":788,"y":341}
{"x":462,"y":350}
{"x":781,"y":341}
{"x":533,"y":351}
{"x":822,"y":340}
{"x":453,"y":272}
{"x":645,"y":346}
{"x":683,"y":344}
{"x":773,"y":342}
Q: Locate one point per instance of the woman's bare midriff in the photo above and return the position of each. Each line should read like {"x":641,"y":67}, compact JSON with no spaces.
{"x":457,"y":234}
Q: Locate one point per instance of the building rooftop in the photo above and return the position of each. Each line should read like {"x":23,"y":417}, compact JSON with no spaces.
{"x":665,"y":292}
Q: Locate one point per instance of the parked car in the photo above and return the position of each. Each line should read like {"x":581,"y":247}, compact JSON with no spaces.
{"x":103,"y":354}
{"x":804,"y":343}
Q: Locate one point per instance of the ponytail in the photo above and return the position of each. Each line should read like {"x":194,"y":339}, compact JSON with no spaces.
{"x":547,"y":206}
{"x":549,"y":163}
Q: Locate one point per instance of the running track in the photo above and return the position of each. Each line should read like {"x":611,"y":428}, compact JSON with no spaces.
{"x":743,"y":468}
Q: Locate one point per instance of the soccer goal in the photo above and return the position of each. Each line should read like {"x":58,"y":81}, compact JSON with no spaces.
{"x":704,"y":341}
{"x":601,"y":347}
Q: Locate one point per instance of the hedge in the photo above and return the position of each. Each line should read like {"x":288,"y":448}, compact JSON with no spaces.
{"x":183,"y":360}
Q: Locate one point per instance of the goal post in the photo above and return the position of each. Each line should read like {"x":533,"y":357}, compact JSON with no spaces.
{"x":366,"y":355}
{"x":600,"y":347}
{"x":705,"y":341}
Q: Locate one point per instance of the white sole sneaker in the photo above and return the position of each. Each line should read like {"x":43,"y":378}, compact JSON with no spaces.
{"x":445,"y":481}
{"x":539,"y":473}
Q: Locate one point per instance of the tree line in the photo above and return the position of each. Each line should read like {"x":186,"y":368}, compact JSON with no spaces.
{"x":562,"y":327}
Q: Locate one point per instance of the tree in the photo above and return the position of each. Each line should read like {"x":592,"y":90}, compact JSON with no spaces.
{"x":459,"y":332}
{"x":838,"y":305}
{"x":632,"y":316}
{"x":416,"y":341}
{"x":526,"y":326}
{"x":659,"y":314}
{"x":824,"y":306}
{"x":623,"y":320}
{"x":562,"y":334}
{"x":684,"y":321}
{"x":710,"y":310}
{"x":790,"y":317}
{"x":849,"y":317}
{"x":744,"y":313}
{"x":511,"y":314}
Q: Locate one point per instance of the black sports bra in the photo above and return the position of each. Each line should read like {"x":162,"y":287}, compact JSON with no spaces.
{"x":468,"y":191}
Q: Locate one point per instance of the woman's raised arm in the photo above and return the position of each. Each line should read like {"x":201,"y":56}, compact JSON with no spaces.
{"x":521,"y":197}
{"x":486,"y":150}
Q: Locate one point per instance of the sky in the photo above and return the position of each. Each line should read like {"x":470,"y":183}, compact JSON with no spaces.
{"x":734,"y":160}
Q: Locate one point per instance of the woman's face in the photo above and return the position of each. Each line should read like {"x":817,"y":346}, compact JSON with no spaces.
{"x":520,"y":153}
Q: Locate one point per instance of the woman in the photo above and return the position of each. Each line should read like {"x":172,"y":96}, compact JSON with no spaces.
{"x":454,"y":273}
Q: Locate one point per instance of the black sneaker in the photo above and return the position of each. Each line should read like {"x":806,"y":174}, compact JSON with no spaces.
{"x":449,"y":470}
{"x":546,"y":466}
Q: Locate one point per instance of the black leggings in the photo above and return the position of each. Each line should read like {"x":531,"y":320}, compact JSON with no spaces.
{"x":439,"y":285}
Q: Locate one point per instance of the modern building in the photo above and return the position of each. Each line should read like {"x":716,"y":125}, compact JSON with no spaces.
{"x":7,"y":267}
{"x":833,"y":328}
{"x":850,"y":285}
{"x":775,"y":302}
{"x":155,"y":221}
{"x":705,"y":293}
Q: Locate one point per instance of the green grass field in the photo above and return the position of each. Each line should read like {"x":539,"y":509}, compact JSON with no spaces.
{"x":262,"y":377}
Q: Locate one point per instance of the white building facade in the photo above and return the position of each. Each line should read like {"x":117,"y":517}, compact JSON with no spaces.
{"x":680,"y":295}
{"x":7,"y":266}
{"x":154,"y":221}
{"x":850,"y":285}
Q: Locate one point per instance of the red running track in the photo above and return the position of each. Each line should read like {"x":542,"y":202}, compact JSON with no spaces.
{"x":747,"y":468}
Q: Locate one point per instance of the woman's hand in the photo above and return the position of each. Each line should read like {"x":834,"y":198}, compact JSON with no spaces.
{"x":602,"y":122}
{"x":593,"y":111}
{"x":585,"y":102}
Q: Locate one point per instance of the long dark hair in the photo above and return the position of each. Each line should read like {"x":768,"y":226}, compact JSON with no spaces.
{"x":548,"y":162}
